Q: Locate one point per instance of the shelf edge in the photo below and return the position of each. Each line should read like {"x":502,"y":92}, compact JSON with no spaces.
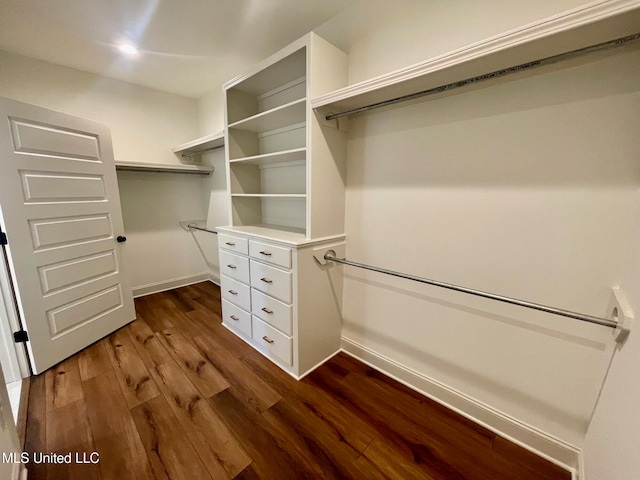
{"x":164,"y":168}
{"x":563,"y":22}
{"x":212,"y":140}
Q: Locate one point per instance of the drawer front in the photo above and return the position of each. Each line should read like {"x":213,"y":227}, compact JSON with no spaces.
{"x":234,"y":266}
{"x":272,"y":311}
{"x":270,"y":253}
{"x":235,"y":292}
{"x":271,"y":340}
{"x":236,"y":318}
{"x":233,"y":244}
{"x":271,"y":280}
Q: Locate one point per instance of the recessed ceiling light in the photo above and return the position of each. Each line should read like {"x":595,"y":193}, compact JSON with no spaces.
{"x":128,"y":49}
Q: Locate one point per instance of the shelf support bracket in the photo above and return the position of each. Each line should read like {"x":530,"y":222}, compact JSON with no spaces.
{"x":341,"y":123}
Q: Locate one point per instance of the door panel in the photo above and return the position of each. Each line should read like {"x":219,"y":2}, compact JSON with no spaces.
{"x":69,"y":231}
{"x":48,"y":140}
{"x":42,"y":187}
{"x":70,"y":273}
{"x":60,"y":209}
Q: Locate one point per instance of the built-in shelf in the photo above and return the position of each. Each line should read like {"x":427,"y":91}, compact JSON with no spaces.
{"x":289,"y":114}
{"x":164,"y":168}
{"x":200,"y":145}
{"x":592,"y":24}
{"x":270,"y":195}
{"x":285,"y":156}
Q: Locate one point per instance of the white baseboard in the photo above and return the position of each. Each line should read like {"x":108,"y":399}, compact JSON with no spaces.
{"x":547,"y":446}
{"x":165,"y":285}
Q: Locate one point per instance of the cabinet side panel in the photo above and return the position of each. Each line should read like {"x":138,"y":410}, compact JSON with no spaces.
{"x":327,"y":71}
{"x":319,"y":309}
{"x":327,"y":67}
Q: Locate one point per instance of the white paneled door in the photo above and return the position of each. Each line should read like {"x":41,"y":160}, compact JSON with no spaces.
{"x":60,"y":210}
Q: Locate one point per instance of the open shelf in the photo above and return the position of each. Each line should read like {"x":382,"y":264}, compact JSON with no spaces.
{"x":270,"y":195}
{"x":268,"y":128}
{"x":164,"y":168}
{"x":214,"y":140}
{"x":273,"y":158}
{"x":591,"y":24}
{"x":288,"y":114}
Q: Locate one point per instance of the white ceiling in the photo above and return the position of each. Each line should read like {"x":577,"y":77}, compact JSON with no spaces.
{"x":188,"y":47}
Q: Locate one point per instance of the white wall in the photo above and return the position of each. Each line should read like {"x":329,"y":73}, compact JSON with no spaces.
{"x":525,"y":188}
{"x":210,"y":112}
{"x":145,"y":124}
{"x":381,"y":36}
{"x":612,"y":446}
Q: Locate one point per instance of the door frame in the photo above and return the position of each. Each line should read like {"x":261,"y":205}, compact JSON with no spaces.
{"x":15,"y":363}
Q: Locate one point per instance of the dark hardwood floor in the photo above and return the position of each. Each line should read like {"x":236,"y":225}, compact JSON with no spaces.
{"x":174,"y":395}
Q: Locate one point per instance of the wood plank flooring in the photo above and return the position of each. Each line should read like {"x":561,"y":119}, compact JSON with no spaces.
{"x":174,"y":395}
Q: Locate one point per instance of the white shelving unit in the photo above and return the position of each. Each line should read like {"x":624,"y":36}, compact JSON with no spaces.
{"x":588,"y":25}
{"x":286,"y":182}
{"x":286,"y":169}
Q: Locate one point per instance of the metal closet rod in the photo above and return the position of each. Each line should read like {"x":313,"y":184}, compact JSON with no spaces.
{"x":488,"y":76}
{"x":193,"y":227}
{"x":522,"y":303}
{"x":198,"y":152}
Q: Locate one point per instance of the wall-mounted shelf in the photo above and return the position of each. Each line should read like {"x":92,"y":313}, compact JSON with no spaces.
{"x":200,"y":145}
{"x":282,"y":116}
{"x":591,"y":24}
{"x":164,"y":168}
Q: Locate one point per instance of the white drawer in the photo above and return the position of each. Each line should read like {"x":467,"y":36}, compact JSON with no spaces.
{"x":235,"y":292}
{"x":270,"y":253}
{"x":271,"y":280}
{"x":271,"y":340}
{"x":234,"y":266}
{"x":236,"y":318}
{"x":272,"y":311}
{"x":234,"y":244}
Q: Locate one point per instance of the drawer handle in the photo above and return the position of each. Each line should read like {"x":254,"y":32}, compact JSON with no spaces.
{"x":262,"y":252}
{"x":267,"y":339}
{"x":233,"y":292}
{"x":233,"y":317}
{"x":266,"y":280}
{"x":231,"y":244}
{"x":232,"y":266}
{"x":266,"y":310}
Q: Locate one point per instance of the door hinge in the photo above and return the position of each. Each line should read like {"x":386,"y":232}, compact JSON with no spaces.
{"x":3,"y":238}
{"x":20,"y":336}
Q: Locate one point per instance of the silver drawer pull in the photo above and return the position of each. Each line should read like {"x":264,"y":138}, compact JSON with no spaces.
{"x":267,"y":339}
{"x":266,"y":310}
{"x":233,"y":317}
{"x":231,"y":244}
{"x":262,"y":252}
{"x":233,"y":292}
{"x":266,"y":280}
{"x":232,"y":266}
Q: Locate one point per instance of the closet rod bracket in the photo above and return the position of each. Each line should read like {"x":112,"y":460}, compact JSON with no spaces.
{"x":324,"y":117}
{"x":620,"y":311}
{"x":321,"y":254}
